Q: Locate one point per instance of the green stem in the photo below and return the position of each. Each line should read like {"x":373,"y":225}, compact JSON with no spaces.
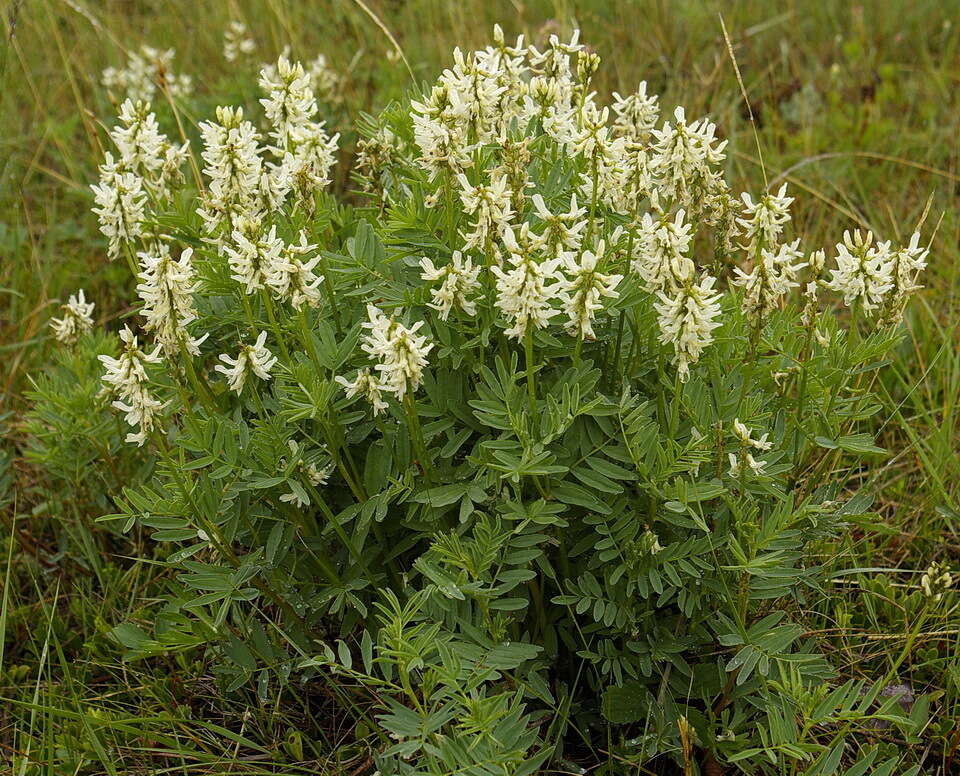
{"x":531,"y":385}
{"x":416,"y":435}
{"x":277,"y":331}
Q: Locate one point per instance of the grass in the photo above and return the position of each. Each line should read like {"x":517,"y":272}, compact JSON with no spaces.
{"x":855,"y":106}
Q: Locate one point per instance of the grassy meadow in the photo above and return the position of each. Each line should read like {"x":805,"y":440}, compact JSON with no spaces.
{"x":854,"y":105}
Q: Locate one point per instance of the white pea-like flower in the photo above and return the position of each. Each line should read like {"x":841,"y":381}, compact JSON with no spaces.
{"x":290,"y":102}
{"x":636,"y":114}
{"x":660,"y":254}
{"x":763,"y":221}
{"x":745,"y":459}
{"x":324,"y":79}
{"x":367,"y":385}
{"x":584,"y":289}
{"x":936,"y":581}
{"x":237,"y":41}
{"x":525,"y":293}
{"x":254,"y":256}
{"x":231,"y":154}
{"x":682,"y":156}
{"x":120,"y":205}
{"x":146,"y":71}
{"x":401,"y":353}
{"x":292,"y":278}
{"x":687,"y":316}
{"x":773,"y":275}
{"x":563,"y":231}
{"x":746,"y":439}
{"x":76,"y":321}
{"x":166,"y":287}
{"x":253,"y":359}
{"x":307,"y":167}
{"x":864,"y":271}
{"x":491,"y":204}
{"x":126,"y":377}
{"x":906,"y":265}
{"x":458,"y":283}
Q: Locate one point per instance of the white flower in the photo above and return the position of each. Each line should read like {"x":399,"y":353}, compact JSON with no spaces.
{"x":138,"y":139}
{"x":808,"y":315}
{"x":290,"y":102}
{"x":525,"y":293}
{"x":592,"y":140}
{"x":773,"y":275}
{"x":293,"y":279}
{"x":687,"y":318}
{"x":308,"y":165}
{"x":401,"y":352}
{"x":660,"y":258}
{"x":126,"y":376}
{"x":864,"y":271}
{"x":120,"y":205}
{"x":145,"y":72}
{"x":237,"y":42}
{"x":763,"y":221}
{"x":324,"y":79}
{"x":307,"y":466}
{"x":583,"y":290}
{"x":681,"y":159}
{"x":637,"y":114}
{"x":907,"y":264}
{"x":253,"y":255}
{"x":233,"y":165}
{"x":743,"y":434}
{"x":77,"y":319}
{"x":752,"y":464}
{"x":564,"y":230}
{"x":440,"y":131}
{"x":252,"y":359}
{"x":490,"y":204}
{"x":166,"y":288}
{"x":145,"y":151}
{"x":458,"y":283}
{"x":366,"y":385}
{"x":936,"y":580}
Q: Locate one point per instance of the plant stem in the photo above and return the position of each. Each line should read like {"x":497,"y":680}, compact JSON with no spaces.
{"x":531,"y":385}
{"x":416,"y":435}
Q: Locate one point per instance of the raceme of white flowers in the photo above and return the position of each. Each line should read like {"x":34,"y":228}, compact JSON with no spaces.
{"x":128,"y":380}
{"x":253,"y":359}
{"x":147,"y":72}
{"x":77,"y":319}
{"x":237,"y":42}
{"x":632,"y":203}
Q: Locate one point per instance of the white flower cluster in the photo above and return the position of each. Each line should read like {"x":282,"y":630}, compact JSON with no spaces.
{"x":775,"y":264}
{"x":584,"y":288}
{"x":526,"y":292}
{"x":166,"y":287}
{"x":147,"y":71}
{"x":146,"y":167}
{"x":126,"y":376}
{"x":876,"y":276}
{"x":120,"y":205}
{"x":237,"y":42}
{"x":255,"y":359}
{"x":243,"y":183}
{"x":400,"y":352}
{"x":76,"y":321}
{"x":458,"y":283}
{"x":744,"y":461}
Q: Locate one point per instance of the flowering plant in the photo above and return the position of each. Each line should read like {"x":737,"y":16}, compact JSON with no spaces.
{"x":527,"y":449}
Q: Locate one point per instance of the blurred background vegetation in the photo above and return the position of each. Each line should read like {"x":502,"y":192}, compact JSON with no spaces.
{"x":855,"y":106}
